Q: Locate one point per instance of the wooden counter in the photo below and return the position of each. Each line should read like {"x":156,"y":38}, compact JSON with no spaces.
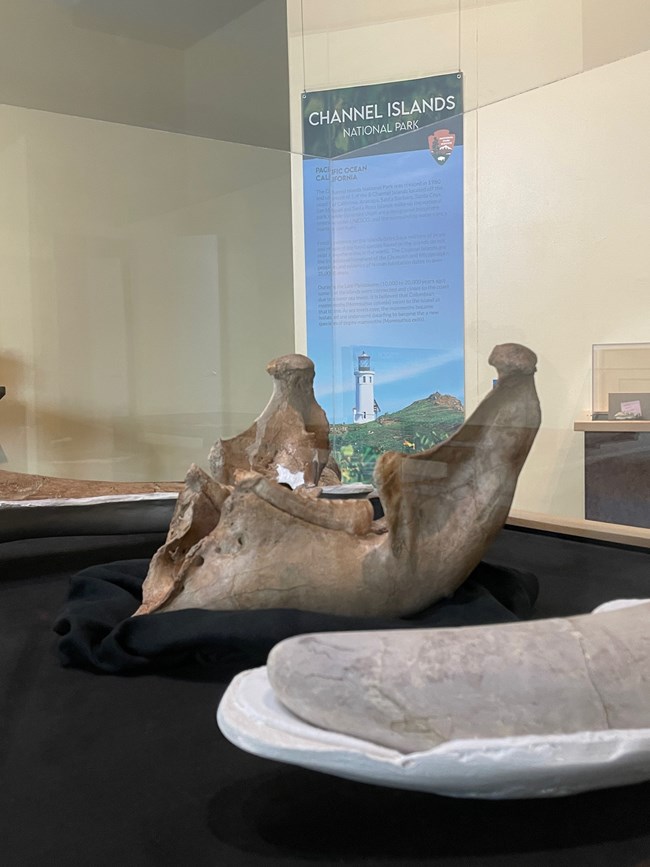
{"x":608,"y":426}
{"x":599,"y":531}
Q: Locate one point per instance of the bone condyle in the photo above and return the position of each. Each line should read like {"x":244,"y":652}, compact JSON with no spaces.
{"x":289,"y":441}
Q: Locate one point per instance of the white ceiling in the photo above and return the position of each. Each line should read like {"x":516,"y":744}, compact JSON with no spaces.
{"x":174,"y":23}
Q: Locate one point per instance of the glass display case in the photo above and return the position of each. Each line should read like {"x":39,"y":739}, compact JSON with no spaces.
{"x":154,"y":245}
{"x":191,"y":189}
{"x":621,"y":381}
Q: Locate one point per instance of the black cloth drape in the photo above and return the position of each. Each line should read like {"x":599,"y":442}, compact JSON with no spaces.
{"x":97,"y":631}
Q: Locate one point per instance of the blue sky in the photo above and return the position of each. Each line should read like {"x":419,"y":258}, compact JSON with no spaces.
{"x":402,"y":375}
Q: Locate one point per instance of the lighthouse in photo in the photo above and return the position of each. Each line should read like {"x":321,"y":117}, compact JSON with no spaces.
{"x":365,"y":409}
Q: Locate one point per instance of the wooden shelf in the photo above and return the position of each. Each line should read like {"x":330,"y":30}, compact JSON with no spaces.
{"x":598,"y":530}
{"x":639,"y":426}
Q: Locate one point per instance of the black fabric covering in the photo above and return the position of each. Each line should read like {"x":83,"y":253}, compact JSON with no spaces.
{"x":98,"y":633}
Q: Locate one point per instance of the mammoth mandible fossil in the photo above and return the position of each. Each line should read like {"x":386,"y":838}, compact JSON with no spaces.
{"x":270,"y":547}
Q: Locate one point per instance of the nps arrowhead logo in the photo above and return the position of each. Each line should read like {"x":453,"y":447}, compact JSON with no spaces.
{"x":441,"y":144}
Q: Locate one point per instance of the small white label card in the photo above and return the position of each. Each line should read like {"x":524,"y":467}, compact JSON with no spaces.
{"x":631,"y":406}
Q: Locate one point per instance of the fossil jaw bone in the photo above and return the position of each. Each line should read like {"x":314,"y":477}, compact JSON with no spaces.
{"x":276,"y":549}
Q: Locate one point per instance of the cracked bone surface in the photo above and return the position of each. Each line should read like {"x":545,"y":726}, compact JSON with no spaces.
{"x":274,"y":548}
{"x":414,"y":689}
{"x":197,"y":512}
{"x":289,"y":441}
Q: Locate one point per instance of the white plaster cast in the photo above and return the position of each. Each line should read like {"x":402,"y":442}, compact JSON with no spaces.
{"x":533,"y":766}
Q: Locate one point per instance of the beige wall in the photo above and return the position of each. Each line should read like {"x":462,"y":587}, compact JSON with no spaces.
{"x":145,"y":276}
{"x":237,"y":80}
{"x":564,"y":204}
{"x":123,"y":64}
{"x":557,"y":189}
{"x":52,"y":63}
{"x":145,"y":281}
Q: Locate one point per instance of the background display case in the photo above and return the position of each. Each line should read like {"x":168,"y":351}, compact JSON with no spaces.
{"x":621,"y":376}
{"x":617,"y":437}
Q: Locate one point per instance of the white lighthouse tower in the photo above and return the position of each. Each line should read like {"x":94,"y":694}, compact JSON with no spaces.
{"x":365,"y":409}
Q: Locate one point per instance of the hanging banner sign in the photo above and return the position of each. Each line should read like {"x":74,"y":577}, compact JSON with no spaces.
{"x":383,"y":219}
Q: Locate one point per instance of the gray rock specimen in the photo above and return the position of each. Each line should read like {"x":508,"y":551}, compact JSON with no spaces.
{"x":289,"y":441}
{"x":414,"y":689}
{"x":274,"y":548}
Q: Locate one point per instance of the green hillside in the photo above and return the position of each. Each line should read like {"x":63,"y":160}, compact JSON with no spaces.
{"x":417,"y":427}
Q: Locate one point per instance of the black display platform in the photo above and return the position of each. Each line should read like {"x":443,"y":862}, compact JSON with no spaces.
{"x":106,"y":770}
